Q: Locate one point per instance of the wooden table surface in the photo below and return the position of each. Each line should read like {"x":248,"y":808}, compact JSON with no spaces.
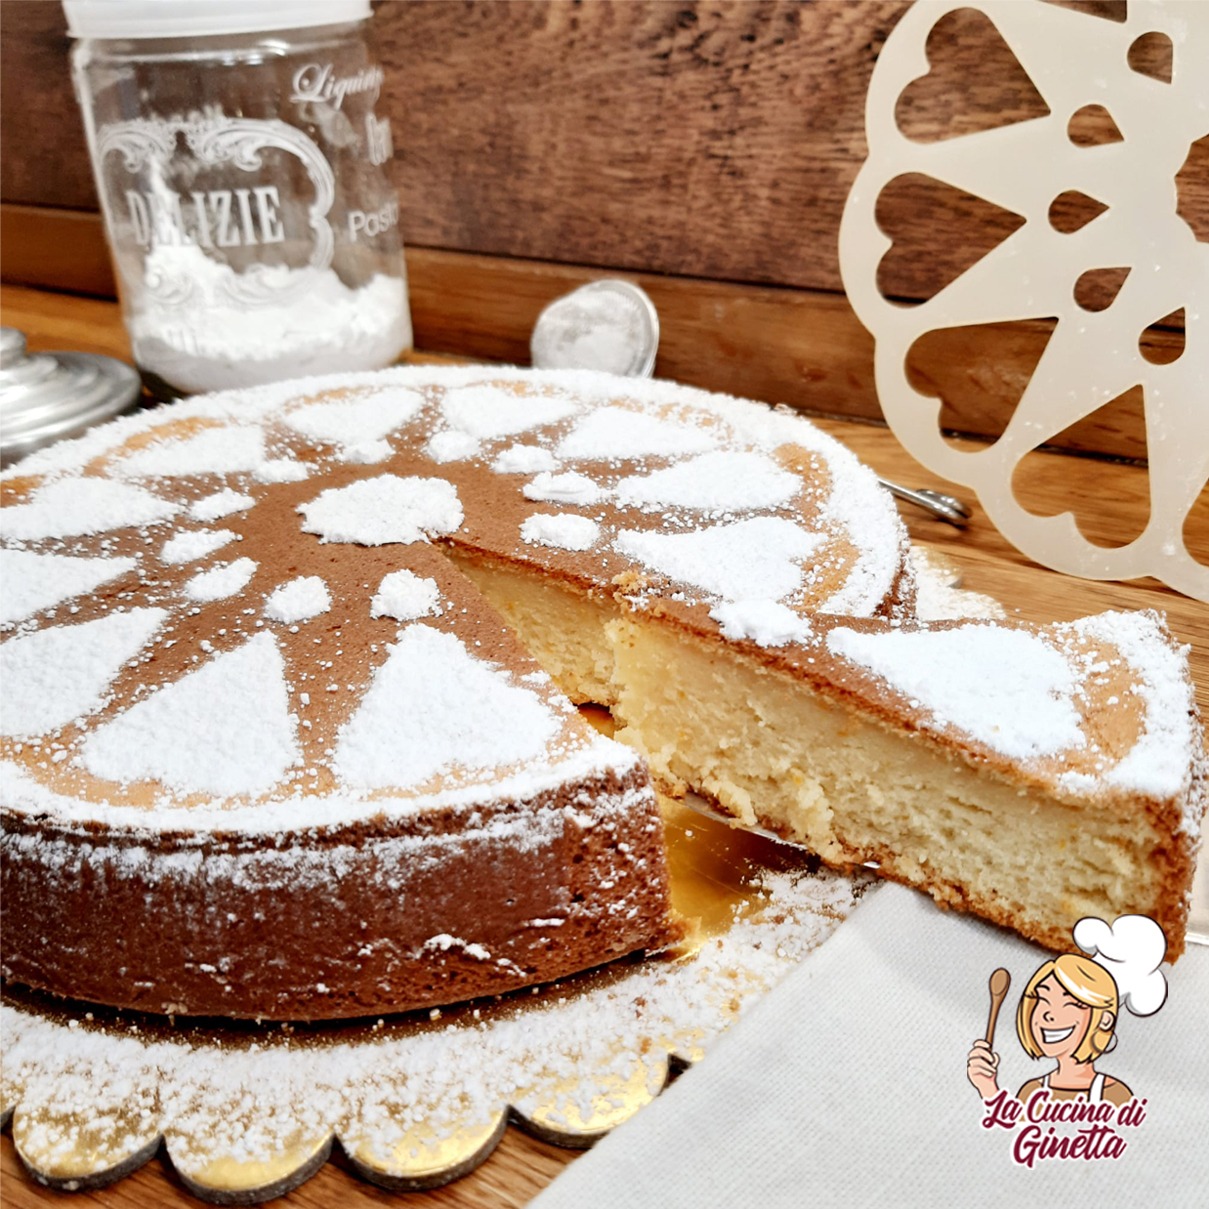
{"x":1109,"y":499}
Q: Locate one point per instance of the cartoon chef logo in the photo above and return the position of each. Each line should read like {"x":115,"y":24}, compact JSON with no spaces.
{"x":1067,"y":1017}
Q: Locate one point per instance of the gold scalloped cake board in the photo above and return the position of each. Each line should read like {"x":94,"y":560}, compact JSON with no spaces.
{"x":248,"y":1112}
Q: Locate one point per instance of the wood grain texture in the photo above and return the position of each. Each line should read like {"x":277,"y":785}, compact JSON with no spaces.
{"x":800,"y":347}
{"x":522,"y":1166}
{"x":703,"y":139}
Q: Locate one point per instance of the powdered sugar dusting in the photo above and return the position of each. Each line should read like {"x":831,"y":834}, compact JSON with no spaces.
{"x":374,"y":512}
{"x":220,"y":582}
{"x":75,"y":507}
{"x":368,"y":417}
{"x":32,"y":582}
{"x":713,"y":483}
{"x":406,"y":596}
{"x":226,"y":450}
{"x":486,"y":411}
{"x":617,"y":432}
{"x":752,"y":559}
{"x":562,"y":531}
{"x":422,"y":715}
{"x":281,"y":470}
{"x":187,"y":547}
{"x":524,"y":459}
{"x":1010,"y":689}
{"x":224,"y":729}
{"x":569,"y":488}
{"x":298,"y":600}
{"x":452,"y":446}
{"x":61,"y":673}
{"x":221,"y":503}
{"x":762,"y":621}
{"x":1158,"y":764}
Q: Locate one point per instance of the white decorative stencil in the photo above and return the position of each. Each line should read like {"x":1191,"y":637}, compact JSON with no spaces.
{"x":224,"y":729}
{"x":1075,"y":61}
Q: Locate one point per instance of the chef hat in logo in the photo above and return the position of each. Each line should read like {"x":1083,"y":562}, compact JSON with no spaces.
{"x":1131,"y":950}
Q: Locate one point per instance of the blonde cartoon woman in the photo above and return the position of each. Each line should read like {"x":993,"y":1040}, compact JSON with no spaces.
{"x":1070,"y":1008}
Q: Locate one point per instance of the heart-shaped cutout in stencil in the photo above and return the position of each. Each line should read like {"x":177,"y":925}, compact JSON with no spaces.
{"x":975,"y":83}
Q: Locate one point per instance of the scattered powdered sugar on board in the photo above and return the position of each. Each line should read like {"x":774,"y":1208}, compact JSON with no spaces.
{"x":188,"y":547}
{"x":488,"y":411}
{"x":406,"y":596}
{"x":77,"y":507}
{"x":423,"y":714}
{"x":61,"y":673}
{"x":715,"y":483}
{"x":452,"y":446}
{"x":377,"y":511}
{"x":221,"y":503}
{"x":609,"y":433}
{"x":223,"y":729}
{"x":298,"y":600}
{"x":32,"y":582}
{"x":355,"y":421}
{"x":231,"y":449}
{"x":762,"y":621}
{"x":396,"y":1086}
{"x":562,"y":532}
{"x":1009,"y":689}
{"x":1158,"y":764}
{"x":757,"y":559}
{"x":568,"y":488}
{"x":524,"y":459}
{"x":366,"y":453}
{"x":220,"y":582}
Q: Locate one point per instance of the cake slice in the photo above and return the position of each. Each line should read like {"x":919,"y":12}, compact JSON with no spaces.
{"x":1030,"y":774}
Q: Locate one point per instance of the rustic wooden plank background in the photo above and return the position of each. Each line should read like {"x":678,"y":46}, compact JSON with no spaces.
{"x":540,"y":142}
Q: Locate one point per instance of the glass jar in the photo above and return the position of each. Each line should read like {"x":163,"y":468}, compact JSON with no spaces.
{"x":242,"y":175}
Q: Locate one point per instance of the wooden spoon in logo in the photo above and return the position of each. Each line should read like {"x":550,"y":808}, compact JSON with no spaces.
{"x":999,"y":983}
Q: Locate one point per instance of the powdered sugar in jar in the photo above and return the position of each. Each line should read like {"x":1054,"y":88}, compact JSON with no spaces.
{"x":241,"y":170}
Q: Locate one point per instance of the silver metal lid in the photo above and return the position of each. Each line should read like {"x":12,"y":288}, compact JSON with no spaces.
{"x":48,"y":396}
{"x":609,"y":325}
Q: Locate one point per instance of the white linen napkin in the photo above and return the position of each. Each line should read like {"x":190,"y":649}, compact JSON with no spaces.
{"x":847,"y":1086}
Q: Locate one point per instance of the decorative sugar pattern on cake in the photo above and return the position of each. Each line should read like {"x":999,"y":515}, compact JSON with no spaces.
{"x":1025,"y":709}
{"x":298,"y":600}
{"x":757,"y":559}
{"x":236,"y":704}
{"x":561,"y":531}
{"x":32,"y":582}
{"x":488,"y":410}
{"x":219,"y":582}
{"x":190,"y":546}
{"x":1156,"y":764}
{"x":524,"y":459}
{"x":225,"y":450}
{"x":372,"y":512}
{"x":423,"y":715}
{"x":568,"y":488}
{"x":714,"y":483}
{"x":618,"y":433}
{"x":764,"y":622}
{"x":57,"y":675}
{"x":222,"y":503}
{"x":406,"y":596}
{"x":452,"y":446}
{"x":366,"y":417}
{"x":80,"y":507}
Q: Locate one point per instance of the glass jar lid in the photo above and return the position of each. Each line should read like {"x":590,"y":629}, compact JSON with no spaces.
{"x":203,"y":18}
